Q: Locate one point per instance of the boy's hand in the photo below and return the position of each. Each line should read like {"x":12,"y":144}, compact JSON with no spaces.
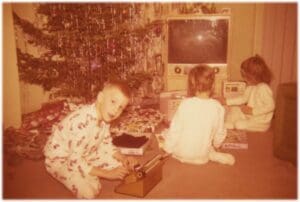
{"x":113,"y":174}
{"x":116,"y":173}
{"x":129,"y":162}
{"x":246,"y":109}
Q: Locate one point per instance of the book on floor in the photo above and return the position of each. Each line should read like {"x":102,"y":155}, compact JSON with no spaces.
{"x":235,"y":139}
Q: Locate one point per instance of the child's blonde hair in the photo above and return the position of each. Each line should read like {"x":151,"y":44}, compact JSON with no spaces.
{"x":256,"y":68}
{"x":120,"y":84}
{"x":200,"y":79}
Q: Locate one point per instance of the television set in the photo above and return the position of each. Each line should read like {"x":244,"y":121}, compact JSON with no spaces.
{"x":192,"y":40}
{"x":198,"y":40}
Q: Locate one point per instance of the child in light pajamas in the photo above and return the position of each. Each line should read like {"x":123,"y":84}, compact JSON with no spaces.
{"x":197,"y":127}
{"x":253,"y":111}
{"x":80,"y":149}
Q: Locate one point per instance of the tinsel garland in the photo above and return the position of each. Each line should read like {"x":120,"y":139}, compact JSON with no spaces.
{"x":93,"y":41}
{"x":39,"y":71}
{"x":36,"y":34}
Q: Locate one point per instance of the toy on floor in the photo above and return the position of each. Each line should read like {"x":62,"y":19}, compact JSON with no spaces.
{"x":143,"y":178}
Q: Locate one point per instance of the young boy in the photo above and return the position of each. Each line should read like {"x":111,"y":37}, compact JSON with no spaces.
{"x":80,"y":151}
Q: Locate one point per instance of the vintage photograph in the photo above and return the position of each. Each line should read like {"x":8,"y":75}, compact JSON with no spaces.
{"x":149,"y":100}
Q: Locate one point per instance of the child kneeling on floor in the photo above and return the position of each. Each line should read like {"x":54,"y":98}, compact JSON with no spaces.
{"x":80,"y":151}
{"x":197,"y":127}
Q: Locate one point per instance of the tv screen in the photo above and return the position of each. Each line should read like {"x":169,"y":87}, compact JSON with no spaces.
{"x":196,"y":41}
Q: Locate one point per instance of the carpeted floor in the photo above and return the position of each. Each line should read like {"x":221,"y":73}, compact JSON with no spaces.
{"x":257,"y":174}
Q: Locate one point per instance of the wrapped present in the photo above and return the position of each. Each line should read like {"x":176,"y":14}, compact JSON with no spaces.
{"x":137,"y":121}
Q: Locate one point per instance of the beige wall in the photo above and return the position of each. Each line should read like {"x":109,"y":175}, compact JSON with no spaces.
{"x":32,"y":96}
{"x":280,"y":42}
{"x":246,"y":33}
{"x":11,"y":89}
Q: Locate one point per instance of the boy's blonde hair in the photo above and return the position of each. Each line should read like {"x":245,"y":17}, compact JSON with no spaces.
{"x":120,"y":84}
{"x":256,"y":68}
{"x":200,"y":79}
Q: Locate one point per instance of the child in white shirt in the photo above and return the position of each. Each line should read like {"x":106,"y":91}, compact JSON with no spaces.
{"x":197,"y":127}
{"x":253,"y":111}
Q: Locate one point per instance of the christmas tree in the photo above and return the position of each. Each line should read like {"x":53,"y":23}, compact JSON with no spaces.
{"x":84,"y":45}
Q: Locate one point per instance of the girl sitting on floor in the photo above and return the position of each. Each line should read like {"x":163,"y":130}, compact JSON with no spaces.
{"x":197,"y":127}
